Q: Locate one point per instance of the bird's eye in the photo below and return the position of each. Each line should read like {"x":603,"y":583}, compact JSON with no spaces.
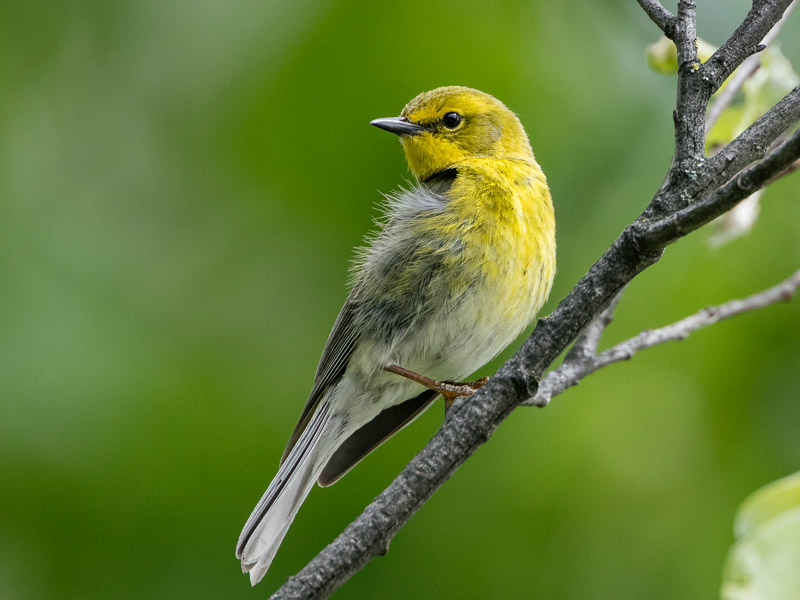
{"x":451,"y":120}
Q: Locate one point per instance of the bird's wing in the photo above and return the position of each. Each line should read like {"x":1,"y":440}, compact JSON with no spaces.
{"x":372,"y":435}
{"x":332,"y":365}
{"x":429,"y":198}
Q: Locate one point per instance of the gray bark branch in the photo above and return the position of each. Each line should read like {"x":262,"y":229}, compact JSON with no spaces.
{"x":576,"y":368}
{"x":746,"y":70}
{"x":745,"y":41}
{"x":693,"y":94}
{"x":660,"y":16}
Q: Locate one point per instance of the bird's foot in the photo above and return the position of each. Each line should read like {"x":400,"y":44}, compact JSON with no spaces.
{"x":450,"y":390}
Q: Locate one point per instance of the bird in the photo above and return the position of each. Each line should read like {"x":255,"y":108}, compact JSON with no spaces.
{"x":462,"y":262}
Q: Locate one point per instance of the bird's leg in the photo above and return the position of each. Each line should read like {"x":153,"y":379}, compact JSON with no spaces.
{"x":450,"y":390}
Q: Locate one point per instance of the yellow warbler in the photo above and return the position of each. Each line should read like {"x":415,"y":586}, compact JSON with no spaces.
{"x":462,"y":263}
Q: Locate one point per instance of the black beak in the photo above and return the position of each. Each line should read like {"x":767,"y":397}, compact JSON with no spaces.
{"x":398,"y":126}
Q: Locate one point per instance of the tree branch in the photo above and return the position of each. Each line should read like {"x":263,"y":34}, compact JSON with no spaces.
{"x":723,"y":199}
{"x":582,"y":354}
{"x":587,"y":342}
{"x":746,"y":70}
{"x":571,"y":372}
{"x":693,"y":94}
{"x":750,"y":145}
{"x":660,"y":16}
{"x":787,"y":171}
{"x":754,"y":141}
{"x":744,"y":42}
{"x":783,"y":292}
{"x":667,"y":218}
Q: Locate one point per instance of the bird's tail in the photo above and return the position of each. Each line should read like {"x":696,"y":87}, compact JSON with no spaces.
{"x":265,"y":529}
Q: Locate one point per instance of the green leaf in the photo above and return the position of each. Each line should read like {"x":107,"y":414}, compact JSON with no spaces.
{"x":662,"y":56}
{"x":767,"y":502}
{"x":763,"y":564}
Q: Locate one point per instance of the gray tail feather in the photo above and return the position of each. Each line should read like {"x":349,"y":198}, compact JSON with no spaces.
{"x":265,"y":529}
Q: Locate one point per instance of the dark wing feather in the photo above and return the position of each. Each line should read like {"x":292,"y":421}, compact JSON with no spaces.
{"x":372,"y":435}
{"x":332,"y":365}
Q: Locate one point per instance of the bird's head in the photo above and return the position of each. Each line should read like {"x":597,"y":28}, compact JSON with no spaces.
{"x":448,"y":125}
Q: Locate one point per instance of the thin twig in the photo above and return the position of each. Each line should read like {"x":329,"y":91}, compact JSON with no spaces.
{"x":589,"y":339}
{"x":746,"y":70}
{"x":754,"y":141}
{"x":569,"y":374}
{"x":660,"y":16}
{"x":582,"y":352}
{"x":783,"y":292}
{"x":743,"y":42}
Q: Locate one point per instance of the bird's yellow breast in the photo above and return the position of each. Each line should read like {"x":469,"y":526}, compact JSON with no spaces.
{"x":500,"y":212}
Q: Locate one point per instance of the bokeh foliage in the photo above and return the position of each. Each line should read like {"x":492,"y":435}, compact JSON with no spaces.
{"x":181,"y":184}
{"x":763,"y":562}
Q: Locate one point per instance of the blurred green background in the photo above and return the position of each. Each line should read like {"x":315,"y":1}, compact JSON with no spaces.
{"x":181,"y":185}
